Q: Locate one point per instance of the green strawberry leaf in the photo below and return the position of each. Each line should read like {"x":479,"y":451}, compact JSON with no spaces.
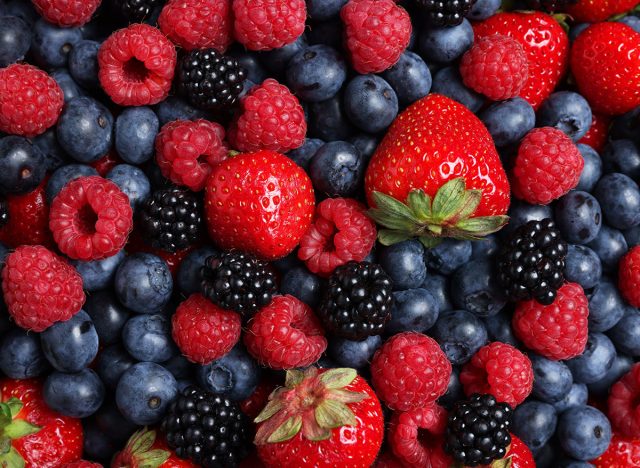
{"x":287,"y":430}
{"x":11,"y":459}
{"x":331,"y":414}
{"x":338,"y":378}
{"x":429,"y":242}
{"x":269,"y":410}
{"x":420,"y":204}
{"x":20,"y":428}
{"x":15,"y":406}
{"x":390,"y":236}
{"x":448,"y":199}
{"x":293,"y":378}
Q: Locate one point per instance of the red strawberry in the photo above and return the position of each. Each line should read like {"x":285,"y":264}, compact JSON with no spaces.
{"x":594,"y":11}
{"x":321,"y":418}
{"x":432,"y":152}
{"x":259,"y":202}
{"x":621,"y":453}
{"x":545,"y":43}
{"x":28,"y":220}
{"x":145,"y":450}
{"x":597,"y":135}
{"x":36,"y":435}
{"x":518,"y":455}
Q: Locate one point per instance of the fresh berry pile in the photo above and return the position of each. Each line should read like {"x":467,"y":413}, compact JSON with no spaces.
{"x":319,"y":233}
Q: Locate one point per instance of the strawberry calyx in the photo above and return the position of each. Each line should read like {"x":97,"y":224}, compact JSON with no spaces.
{"x":449,"y":214}
{"x":138,"y":451}
{"x":311,"y":402}
{"x":12,"y":428}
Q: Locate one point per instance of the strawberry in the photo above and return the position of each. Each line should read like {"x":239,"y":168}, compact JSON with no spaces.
{"x":621,"y":453}
{"x":605,"y":63}
{"x":320,"y":418}
{"x":595,"y":11}
{"x":31,"y":434}
{"x":28,"y":220}
{"x":518,"y":456}
{"x":145,"y":450}
{"x":432,"y":152}
{"x":545,"y":43}
{"x":261,"y":203}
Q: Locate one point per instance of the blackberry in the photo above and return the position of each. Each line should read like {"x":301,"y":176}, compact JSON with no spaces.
{"x":550,"y":5}
{"x":134,"y":11}
{"x":210,"y":80}
{"x":238,"y":281}
{"x":531,"y":264}
{"x":446,"y":12}
{"x":478,"y":430}
{"x":357,"y":301}
{"x":170,"y":219}
{"x":209,"y":429}
{"x":4,"y":212}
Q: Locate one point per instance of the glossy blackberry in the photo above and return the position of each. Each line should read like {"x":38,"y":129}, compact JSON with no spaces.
{"x":478,"y":430}
{"x":550,"y":5}
{"x":357,"y":301}
{"x":209,"y":429}
{"x":4,"y":212}
{"x":134,"y":11}
{"x":531,"y":264}
{"x":238,"y":281}
{"x":446,"y":12}
{"x":210,"y":80}
{"x":170,"y":219}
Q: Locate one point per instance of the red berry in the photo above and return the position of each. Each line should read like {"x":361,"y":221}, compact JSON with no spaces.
{"x":28,"y":220}
{"x":500,"y":370}
{"x":285,"y":334}
{"x":410,"y":371}
{"x":598,"y":133}
{"x":197,"y":24}
{"x":270,"y":117}
{"x":107,"y":162}
{"x":495,"y":66}
{"x":340,"y":233}
{"x":376,"y":33}
{"x":30,"y":100}
{"x":622,"y":453}
{"x":40,"y":288}
{"x":629,"y":276}
{"x":82,"y":464}
{"x":90,"y":218}
{"x":137,"y":65}
{"x":558,"y":331}
{"x":624,"y":410}
{"x":268,"y":24}
{"x":203,"y":331}
{"x":66,"y":13}
{"x":547,"y":166}
{"x":253,"y":405}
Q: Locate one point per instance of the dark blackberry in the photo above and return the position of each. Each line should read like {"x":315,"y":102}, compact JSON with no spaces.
{"x":209,"y":429}
{"x":170,"y":219}
{"x":134,"y":11}
{"x":446,"y":12}
{"x":531,"y":264}
{"x":4,"y":212}
{"x":550,"y":5}
{"x":357,"y":301}
{"x":238,"y":281}
{"x":210,"y":80}
{"x":478,"y":430}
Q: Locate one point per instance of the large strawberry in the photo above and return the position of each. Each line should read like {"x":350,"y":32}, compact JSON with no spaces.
{"x":621,"y":453}
{"x":595,"y":11}
{"x":321,"y":418}
{"x":440,"y":159}
{"x":605,"y":61}
{"x":31,"y":434}
{"x":145,"y":450}
{"x":545,"y":42}
{"x":28,"y":220}
{"x":259,"y":202}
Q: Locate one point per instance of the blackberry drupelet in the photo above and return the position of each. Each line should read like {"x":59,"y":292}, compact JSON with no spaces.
{"x":134,"y":11}
{"x":531,"y":264}
{"x":550,"y":5}
{"x":4,"y":212}
{"x":446,"y":12}
{"x":210,"y":80}
{"x":357,"y":301}
{"x":209,"y":429}
{"x":478,"y":430}
{"x":170,"y":219}
{"x":238,"y":281}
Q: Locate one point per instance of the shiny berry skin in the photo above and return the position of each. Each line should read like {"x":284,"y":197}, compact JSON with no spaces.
{"x":623,"y":403}
{"x":622,"y":452}
{"x":446,"y":13}
{"x":28,"y":220}
{"x":135,"y":11}
{"x":66,"y":13}
{"x":268,"y":24}
{"x":597,"y":135}
{"x":629,"y":276}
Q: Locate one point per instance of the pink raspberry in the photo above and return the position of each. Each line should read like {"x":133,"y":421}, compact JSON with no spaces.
{"x":623,"y":403}
{"x":66,"y":13}
{"x":629,"y":276}
{"x":268,"y":24}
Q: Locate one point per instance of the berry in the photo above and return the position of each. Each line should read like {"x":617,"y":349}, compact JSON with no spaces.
{"x":135,"y":134}
{"x":370,"y":103}
{"x":133,"y":182}
{"x":316,"y":73}
{"x":188,"y":277}
{"x":147,"y":337}
{"x":135,"y":11}
{"x":66,"y":13}
{"x":578,"y":216}
{"x":285,"y":334}
{"x":268,"y":24}
{"x":534,"y":422}
{"x":72,"y":345}
{"x":622,"y":403}
{"x":82,"y":464}
{"x":606,"y":306}
{"x":509,"y":121}
{"x":144,"y":447}
{"x":552,"y":380}
{"x":83,"y":63}
{"x":550,"y":5}
{"x":356,"y":354}
{"x":336,"y":169}
{"x":446,"y":44}
{"x":584,"y":432}
{"x":410,"y":371}
{"x":629,"y":276}
{"x":21,"y":356}
{"x":404,"y":263}
{"x":474,"y":287}
{"x":235,"y":375}
{"x":78,"y":395}
{"x":619,"y":198}
{"x":30,"y":100}
{"x":622,"y":451}
{"x":410,"y":78}
{"x":610,"y":245}
{"x":413,"y":310}
{"x":556,"y":331}
{"x":22,"y":165}
{"x":28,"y":219}
{"x":622,"y":156}
{"x":592,"y":170}
{"x":143,"y":283}
{"x":597,"y":135}
{"x":107,"y":314}
{"x":460,"y":334}
{"x":443,"y":13}
{"x":566,"y":111}
{"x":137,"y":65}
{"x":16,"y":39}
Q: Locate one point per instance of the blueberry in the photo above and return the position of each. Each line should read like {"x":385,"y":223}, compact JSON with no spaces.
{"x":619,"y":197}
{"x":632,"y":236}
{"x":446,"y":44}
{"x":316,"y":73}
{"x":474,"y":288}
{"x":366,"y":144}
{"x":136,"y":129}
{"x":370,"y":103}
{"x":404,"y":263}
{"x":113,"y":424}
{"x":328,"y":121}
{"x":460,"y":334}
{"x":326,"y":32}
{"x":249,"y":61}
{"x":54,"y":155}
{"x":610,"y":245}
{"x":626,"y":126}
{"x":276,"y":60}
{"x":448,"y":256}
{"x":15,"y":39}
{"x":355,"y":354}
{"x":571,"y":463}
{"x":70,"y":89}
{"x":76,"y":395}
{"x":299,"y":282}
{"x":83,"y":63}
{"x":72,"y":345}
{"x":499,"y":328}
{"x":483,"y":9}
{"x":180,"y":367}
{"x":148,"y":338}
{"x":132,"y":181}
{"x":98,"y":274}
{"x":577,"y":396}
{"x":112,"y":362}
{"x":552,"y":380}
{"x":21,"y":356}
{"x":621,"y":365}
{"x":144,"y":392}
{"x":455,"y":391}
{"x":188,"y":277}
{"x":631,"y":21}
{"x":597,"y":359}
{"x":448,"y":82}
{"x":487,"y":247}
{"x":337,"y":169}
{"x":509,"y":121}
{"x":66,"y":174}
{"x":175,"y":108}
{"x":438,"y":286}
{"x":521,"y":213}
{"x":410,"y":78}
{"x":96,"y":446}
{"x":584,"y":432}
{"x":582,"y":266}
{"x":626,"y":333}
{"x":413,"y":310}
{"x":534,"y":422}
{"x":321,"y":10}
{"x":592,"y":170}
{"x":22,"y":165}
{"x":143,"y":283}
{"x":578,"y":216}
{"x":23,"y":10}
{"x":567,"y":111}
{"x":51,"y":44}
{"x":235,"y":375}
{"x":302,"y":156}
{"x":622,"y":156}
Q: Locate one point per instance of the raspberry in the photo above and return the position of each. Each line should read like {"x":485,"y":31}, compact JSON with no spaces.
{"x":410,"y":371}
{"x":285,"y":334}
{"x":629,"y":276}
{"x":40,"y":288}
{"x":268,"y":24}
{"x":341,"y":232}
{"x":90,"y":219}
{"x":557,"y":331}
{"x":30,"y":100}
{"x":203,"y":331}
{"x":187,"y":150}
{"x":28,"y":220}
{"x":270,"y":118}
{"x":197,"y":24}
{"x":495,"y":66}
{"x":66,"y":13}
{"x":547,"y":166}
{"x":623,"y":403}
{"x":500,"y":370}
{"x":137,"y":65}
{"x":377,"y":32}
